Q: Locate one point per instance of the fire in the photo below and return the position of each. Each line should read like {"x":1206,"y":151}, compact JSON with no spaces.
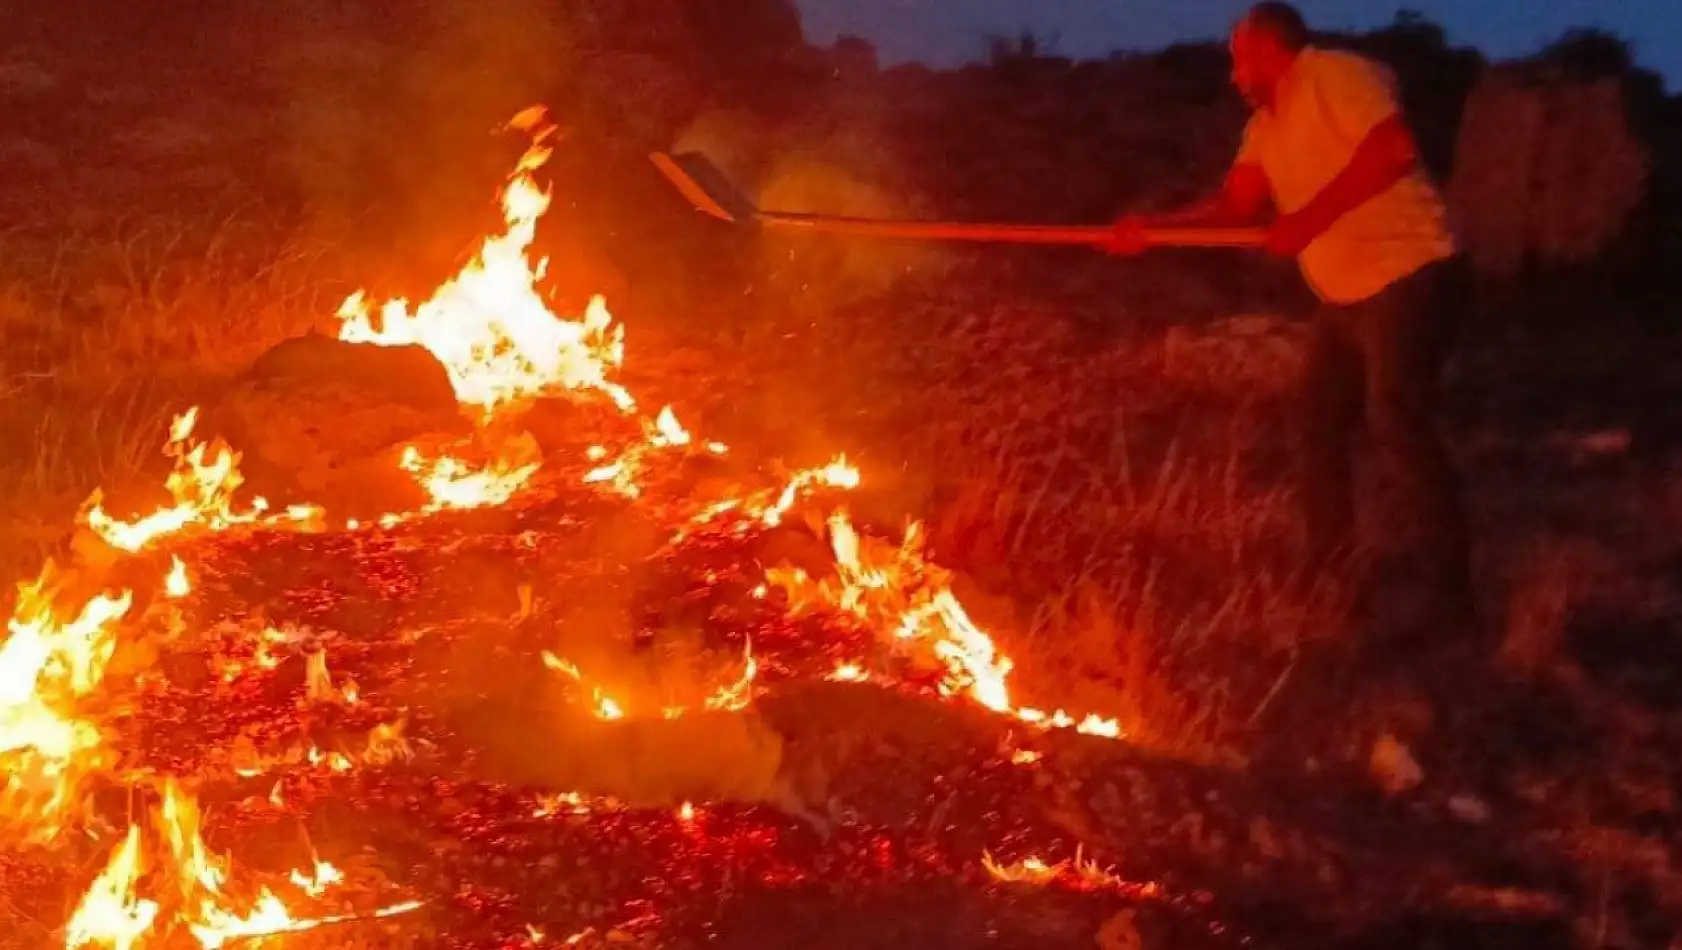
{"x":1079,"y":873}
{"x":46,"y":665}
{"x":201,"y":490}
{"x":318,"y":682}
{"x":176,"y":584}
{"x":489,"y":325}
{"x":109,"y":914}
{"x":270,"y":918}
{"x":501,"y":345}
{"x":848,"y":673}
{"x":606,"y":707}
{"x":1029,"y":870}
{"x":453,"y":483}
{"x":739,"y":694}
{"x":909,"y":599}
{"x":386,"y":745}
{"x":316,"y":883}
{"x":201,"y":486}
{"x":663,"y":432}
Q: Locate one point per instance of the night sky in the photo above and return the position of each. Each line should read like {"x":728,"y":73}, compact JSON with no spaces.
{"x":948,"y":31}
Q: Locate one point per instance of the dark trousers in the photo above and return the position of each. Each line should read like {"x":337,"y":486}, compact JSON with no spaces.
{"x":1378,"y":361}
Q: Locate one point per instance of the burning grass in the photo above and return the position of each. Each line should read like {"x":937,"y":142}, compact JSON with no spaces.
{"x":474,"y":723}
{"x":64,"y":739}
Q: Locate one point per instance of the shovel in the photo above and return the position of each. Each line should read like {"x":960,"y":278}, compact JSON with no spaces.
{"x":707,"y":188}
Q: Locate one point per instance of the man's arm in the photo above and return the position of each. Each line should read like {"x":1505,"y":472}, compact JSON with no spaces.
{"x":1384,"y":157}
{"x":1242,"y":200}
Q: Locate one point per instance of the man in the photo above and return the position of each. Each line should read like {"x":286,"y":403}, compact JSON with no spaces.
{"x":1328,"y":148}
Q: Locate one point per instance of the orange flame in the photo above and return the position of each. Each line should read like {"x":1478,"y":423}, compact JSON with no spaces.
{"x":606,"y":707}
{"x":1080,"y":873}
{"x":909,"y":599}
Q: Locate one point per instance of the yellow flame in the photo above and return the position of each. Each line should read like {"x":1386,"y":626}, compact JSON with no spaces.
{"x":489,"y":326}
{"x":45,"y":665}
{"x":176,"y":584}
{"x":109,"y":914}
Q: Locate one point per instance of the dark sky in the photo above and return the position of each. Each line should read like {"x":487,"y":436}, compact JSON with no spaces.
{"x":947,"y":31}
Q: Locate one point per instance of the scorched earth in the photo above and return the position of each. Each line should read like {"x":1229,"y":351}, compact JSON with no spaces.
{"x":617,"y":686}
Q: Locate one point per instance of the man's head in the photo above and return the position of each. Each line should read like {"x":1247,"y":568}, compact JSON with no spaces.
{"x":1264,"y":44}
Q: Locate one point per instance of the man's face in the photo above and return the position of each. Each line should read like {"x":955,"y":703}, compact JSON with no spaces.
{"x":1255,"y":69}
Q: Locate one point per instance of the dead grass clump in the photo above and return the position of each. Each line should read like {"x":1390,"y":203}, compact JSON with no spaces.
{"x":175,"y":298}
{"x":1161,"y":596}
{"x":1242,"y":357}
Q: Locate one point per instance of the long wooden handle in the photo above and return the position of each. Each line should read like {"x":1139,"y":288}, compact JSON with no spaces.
{"x":1006,"y":233}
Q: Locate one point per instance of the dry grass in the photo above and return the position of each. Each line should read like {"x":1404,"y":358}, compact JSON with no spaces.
{"x":1175,"y":610}
{"x":120,"y":330}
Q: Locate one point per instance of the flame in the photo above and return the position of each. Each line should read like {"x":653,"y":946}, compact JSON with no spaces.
{"x":197,"y":868}
{"x":451,"y":482}
{"x":201,"y":489}
{"x":900,"y":593}
{"x":1029,"y":870}
{"x":1079,"y":873}
{"x":606,"y":707}
{"x":176,"y":584}
{"x":202,"y":879}
{"x":45,"y":665}
{"x":270,"y":918}
{"x":386,"y":744}
{"x":489,"y":326}
{"x":201,"y":486}
{"x":318,"y":683}
{"x":848,"y":673}
{"x":566,"y":803}
{"x":739,"y":694}
{"x":109,"y":914}
{"x":318,"y":881}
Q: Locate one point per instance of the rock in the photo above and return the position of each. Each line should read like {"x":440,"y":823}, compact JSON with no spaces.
{"x":320,"y":420}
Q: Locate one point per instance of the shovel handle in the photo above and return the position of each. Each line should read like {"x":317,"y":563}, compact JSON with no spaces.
{"x":1006,"y":233}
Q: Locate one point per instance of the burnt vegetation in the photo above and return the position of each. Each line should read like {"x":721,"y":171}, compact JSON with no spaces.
{"x":1098,"y":449}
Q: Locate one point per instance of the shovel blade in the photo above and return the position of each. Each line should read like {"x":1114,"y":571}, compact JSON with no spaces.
{"x":705,"y":186}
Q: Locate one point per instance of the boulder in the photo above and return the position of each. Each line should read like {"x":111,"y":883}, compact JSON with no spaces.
{"x":320,"y":420}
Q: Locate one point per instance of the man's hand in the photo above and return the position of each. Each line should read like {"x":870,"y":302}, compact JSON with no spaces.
{"x":1130,"y":236}
{"x":1289,"y":234}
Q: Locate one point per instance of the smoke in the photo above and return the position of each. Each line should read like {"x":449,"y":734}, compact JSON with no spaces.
{"x":386,"y":119}
{"x":522,"y":719}
{"x":836,"y":161}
